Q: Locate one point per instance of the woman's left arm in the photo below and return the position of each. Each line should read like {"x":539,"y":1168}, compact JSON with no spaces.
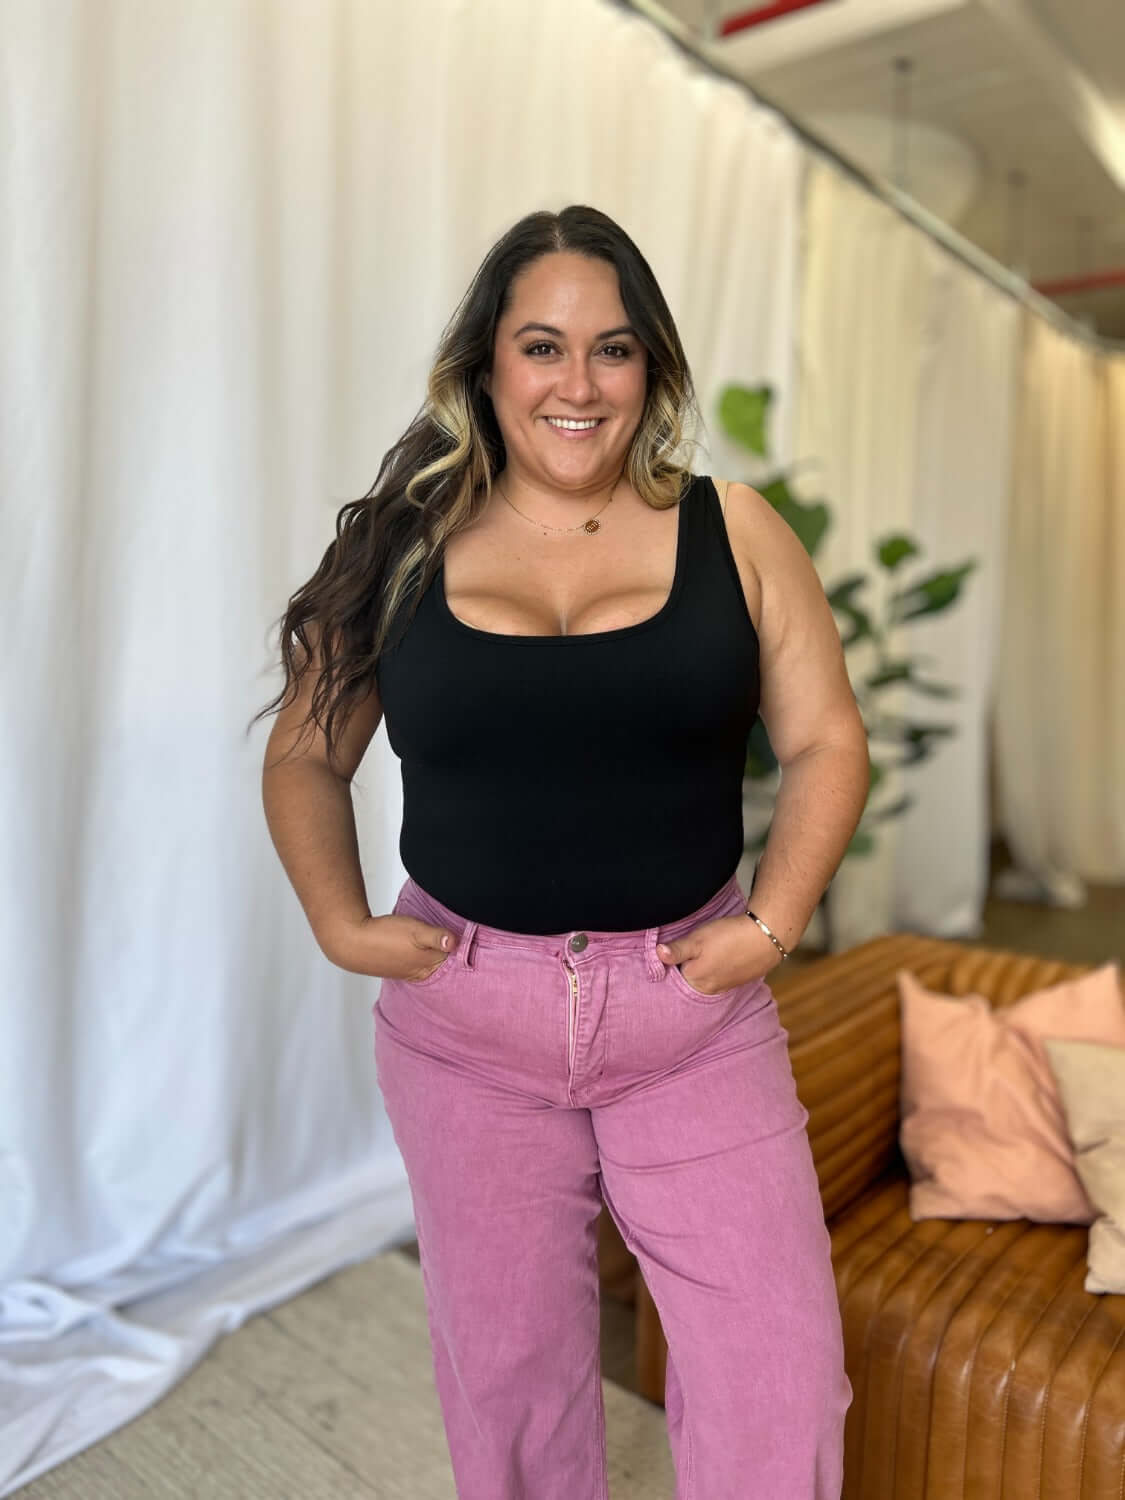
{"x":817,"y":733}
{"x":811,"y":716}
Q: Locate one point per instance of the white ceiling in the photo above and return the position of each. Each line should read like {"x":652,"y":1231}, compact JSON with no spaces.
{"x":1029,"y":86}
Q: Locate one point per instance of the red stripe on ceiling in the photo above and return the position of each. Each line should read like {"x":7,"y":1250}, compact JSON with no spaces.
{"x":1089,"y":283}
{"x":761,"y":13}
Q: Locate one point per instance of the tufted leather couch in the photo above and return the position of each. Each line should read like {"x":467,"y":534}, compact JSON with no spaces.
{"x":981,"y":1368}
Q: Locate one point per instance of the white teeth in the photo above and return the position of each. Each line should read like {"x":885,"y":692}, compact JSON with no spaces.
{"x":574,"y":426}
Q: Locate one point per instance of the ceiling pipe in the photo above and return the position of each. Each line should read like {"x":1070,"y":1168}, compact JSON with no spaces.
{"x":1012,"y":283}
{"x":1061,"y":287}
{"x":762,"y":13}
{"x":1093,"y":281}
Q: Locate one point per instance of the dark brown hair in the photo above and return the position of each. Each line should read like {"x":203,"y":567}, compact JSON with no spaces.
{"x":438,"y":476}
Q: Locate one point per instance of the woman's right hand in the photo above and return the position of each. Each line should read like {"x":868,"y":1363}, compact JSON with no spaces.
{"x":390,"y":947}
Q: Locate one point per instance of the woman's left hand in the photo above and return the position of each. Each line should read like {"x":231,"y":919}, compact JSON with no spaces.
{"x":722,"y":954}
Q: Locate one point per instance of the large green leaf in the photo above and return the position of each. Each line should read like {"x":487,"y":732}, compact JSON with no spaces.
{"x":743,"y":411}
{"x":890,"y":672}
{"x":896,"y":727}
{"x":915,"y":740}
{"x":930,"y":595}
{"x":760,"y":759}
{"x":892,"y":810}
{"x":895,"y":549}
{"x":808,"y":520}
{"x":903,"y":671}
{"x":861,"y":842}
{"x":841,"y":598}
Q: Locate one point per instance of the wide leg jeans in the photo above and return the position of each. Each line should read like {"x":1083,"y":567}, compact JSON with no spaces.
{"x":527,"y":1080}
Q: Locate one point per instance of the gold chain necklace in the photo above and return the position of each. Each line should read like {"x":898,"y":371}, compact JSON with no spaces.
{"x":592,"y":525}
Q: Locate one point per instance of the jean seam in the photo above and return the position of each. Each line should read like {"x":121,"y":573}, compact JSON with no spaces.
{"x":600,"y":1432}
{"x":689,"y":1462}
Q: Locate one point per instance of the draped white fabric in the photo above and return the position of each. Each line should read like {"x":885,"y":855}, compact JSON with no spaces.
{"x":233,"y":232}
{"x":967,"y":370}
{"x":905,"y":389}
{"x":1060,"y":704}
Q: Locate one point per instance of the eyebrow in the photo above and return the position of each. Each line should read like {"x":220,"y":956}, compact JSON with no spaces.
{"x":558,"y":333}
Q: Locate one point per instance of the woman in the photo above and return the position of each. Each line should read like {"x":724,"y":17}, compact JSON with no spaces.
{"x":571,"y":641}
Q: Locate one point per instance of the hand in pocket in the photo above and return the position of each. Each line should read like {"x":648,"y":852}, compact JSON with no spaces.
{"x":396,"y":946}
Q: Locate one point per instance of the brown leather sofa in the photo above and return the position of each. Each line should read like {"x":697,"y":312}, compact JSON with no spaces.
{"x":981,"y":1368}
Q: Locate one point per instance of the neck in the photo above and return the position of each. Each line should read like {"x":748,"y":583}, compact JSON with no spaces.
{"x":543,"y":498}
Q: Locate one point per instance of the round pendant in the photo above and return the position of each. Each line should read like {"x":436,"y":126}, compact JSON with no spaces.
{"x":591,"y":525}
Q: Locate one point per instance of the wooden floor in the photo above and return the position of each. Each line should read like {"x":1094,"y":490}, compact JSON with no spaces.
{"x":279,"y":1410}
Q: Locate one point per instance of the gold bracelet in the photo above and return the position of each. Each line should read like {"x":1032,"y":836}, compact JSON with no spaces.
{"x":768,"y":933}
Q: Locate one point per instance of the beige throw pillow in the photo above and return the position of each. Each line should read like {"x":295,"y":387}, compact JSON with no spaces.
{"x":982,"y":1126}
{"x":1091,"y":1079}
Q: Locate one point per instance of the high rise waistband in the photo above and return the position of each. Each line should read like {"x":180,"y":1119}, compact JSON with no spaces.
{"x":576,"y":944}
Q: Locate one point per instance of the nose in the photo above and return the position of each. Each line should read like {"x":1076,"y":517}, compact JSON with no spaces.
{"x":576,"y":383}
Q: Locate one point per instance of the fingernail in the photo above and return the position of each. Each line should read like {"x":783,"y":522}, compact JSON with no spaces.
{"x":447,"y":941}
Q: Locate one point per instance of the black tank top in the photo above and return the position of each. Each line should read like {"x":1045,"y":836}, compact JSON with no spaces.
{"x":580,"y":781}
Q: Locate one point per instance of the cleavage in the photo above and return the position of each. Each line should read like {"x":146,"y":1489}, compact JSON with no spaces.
{"x":480,"y":594}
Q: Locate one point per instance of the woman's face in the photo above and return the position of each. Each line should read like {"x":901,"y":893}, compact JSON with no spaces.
{"x":563,"y":349}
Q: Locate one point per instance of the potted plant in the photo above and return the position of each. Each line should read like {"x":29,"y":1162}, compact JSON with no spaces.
{"x":895,"y":740}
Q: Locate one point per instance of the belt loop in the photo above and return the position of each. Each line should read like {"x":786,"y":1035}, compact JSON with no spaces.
{"x":465,"y":943}
{"x":653,"y":960}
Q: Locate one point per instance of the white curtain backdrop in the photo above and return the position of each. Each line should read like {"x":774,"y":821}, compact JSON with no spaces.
{"x":233,"y":232}
{"x":968,"y":365}
{"x":1060,"y":704}
{"x":906,"y":369}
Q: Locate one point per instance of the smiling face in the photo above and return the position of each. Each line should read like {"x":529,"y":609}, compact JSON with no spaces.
{"x":563,"y":349}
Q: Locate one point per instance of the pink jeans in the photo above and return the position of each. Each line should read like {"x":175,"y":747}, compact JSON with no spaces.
{"x":529,"y":1079}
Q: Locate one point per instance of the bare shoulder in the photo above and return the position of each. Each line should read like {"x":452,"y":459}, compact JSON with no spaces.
{"x":806,"y":696}
{"x":772,"y":563}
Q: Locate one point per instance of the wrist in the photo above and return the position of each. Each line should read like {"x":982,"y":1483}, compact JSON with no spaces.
{"x":341,"y":942}
{"x":770,"y":939}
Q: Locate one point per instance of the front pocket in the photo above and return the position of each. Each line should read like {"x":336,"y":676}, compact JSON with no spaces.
{"x":436,"y":975}
{"x":680,"y":983}
{"x":404,"y":907}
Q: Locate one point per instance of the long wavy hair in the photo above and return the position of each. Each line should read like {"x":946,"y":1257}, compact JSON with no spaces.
{"x":438,"y":476}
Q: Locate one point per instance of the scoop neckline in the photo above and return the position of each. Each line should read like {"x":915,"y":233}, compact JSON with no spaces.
{"x":621,"y":631}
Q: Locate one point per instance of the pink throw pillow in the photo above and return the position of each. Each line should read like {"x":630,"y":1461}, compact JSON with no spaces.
{"x":982,"y":1125}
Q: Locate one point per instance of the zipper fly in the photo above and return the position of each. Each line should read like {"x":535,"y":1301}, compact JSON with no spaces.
{"x":572,"y":1017}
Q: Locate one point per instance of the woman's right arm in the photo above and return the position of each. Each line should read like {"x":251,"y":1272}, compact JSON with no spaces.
{"x":311,"y":820}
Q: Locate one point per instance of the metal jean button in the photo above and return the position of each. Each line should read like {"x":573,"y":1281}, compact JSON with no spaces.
{"x":578,"y":942}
